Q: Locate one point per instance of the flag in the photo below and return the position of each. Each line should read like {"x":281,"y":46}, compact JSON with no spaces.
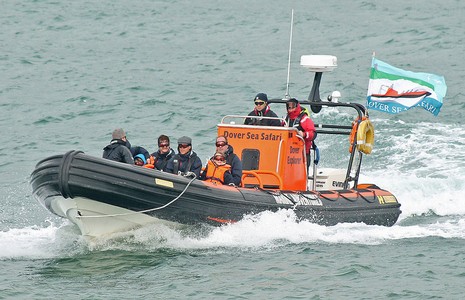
{"x":394,"y":90}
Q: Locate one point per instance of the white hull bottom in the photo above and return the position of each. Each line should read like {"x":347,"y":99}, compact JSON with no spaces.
{"x":96,"y":219}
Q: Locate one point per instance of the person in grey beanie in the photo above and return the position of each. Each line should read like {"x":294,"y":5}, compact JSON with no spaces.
{"x":117,"y":149}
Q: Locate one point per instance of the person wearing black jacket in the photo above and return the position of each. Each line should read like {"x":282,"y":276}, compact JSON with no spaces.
{"x":117,"y":149}
{"x":186,"y":161}
{"x":161,"y":157}
{"x":262,"y":110}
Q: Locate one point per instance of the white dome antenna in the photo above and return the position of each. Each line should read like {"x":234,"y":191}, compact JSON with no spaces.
{"x":319,"y":63}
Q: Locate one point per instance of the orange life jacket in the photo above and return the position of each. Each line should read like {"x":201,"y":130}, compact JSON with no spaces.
{"x":150,"y":163}
{"x":215,"y":173}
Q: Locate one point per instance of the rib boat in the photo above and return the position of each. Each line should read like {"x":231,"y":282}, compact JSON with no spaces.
{"x":102,"y":196}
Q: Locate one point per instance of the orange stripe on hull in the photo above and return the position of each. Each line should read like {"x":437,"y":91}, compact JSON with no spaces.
{"x":222,"y":221}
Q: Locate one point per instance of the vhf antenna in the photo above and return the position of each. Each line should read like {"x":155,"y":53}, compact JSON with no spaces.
{"x":286,"y":96}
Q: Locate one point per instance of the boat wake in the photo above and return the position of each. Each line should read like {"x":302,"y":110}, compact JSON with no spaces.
{"x":259,"y":232}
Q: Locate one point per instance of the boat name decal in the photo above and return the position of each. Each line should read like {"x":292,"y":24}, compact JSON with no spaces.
{"x":164,"y":182}
{"x":253,"y":136}
{"x":294,"y":160}
{"x":298,"y":199}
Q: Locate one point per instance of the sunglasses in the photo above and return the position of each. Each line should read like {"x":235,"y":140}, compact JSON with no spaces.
{"x":184,"y":145}
{"x":163,"y":145}
{"x":259,"y":103}
{"x":219,"y":158}
{"x":220,"y":144}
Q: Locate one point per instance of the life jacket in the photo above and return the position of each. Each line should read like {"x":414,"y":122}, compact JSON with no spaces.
{"x":215,"y":173}
{"x":296,"y":122}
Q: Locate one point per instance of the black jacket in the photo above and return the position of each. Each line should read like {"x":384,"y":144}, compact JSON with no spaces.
{"x":188,"y":162}
{"x":263,"y":122}
{"x":118,"y":151}
{"x":161,"y":159}
{"x":139,"y":150}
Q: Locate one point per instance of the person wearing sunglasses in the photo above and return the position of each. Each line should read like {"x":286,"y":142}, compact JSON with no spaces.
{"x":186,"y":161}
{"x":262,"y":109}
{"x":233,"y":174}
{"x":298,"y":118}
{"x":118,"y":150}
{"x":159,"y":159}
{"x":217,"y":170}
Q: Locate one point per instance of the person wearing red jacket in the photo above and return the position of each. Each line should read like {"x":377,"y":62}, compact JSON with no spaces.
{"x":298,"y":118}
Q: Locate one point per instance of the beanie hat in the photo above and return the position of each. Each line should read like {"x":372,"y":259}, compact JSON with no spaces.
{"x":293,"y":100}
{"x":261,"y":96}
{"x":141,"y":156}
{"x":185,"y":140}
{"x":118,"y":134}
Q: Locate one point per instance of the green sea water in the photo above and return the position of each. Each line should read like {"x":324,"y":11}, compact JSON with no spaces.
{"x":71,"y":72}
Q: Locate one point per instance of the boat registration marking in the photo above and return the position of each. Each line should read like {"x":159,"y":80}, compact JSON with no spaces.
{"x":386,"y":199}
{"x":298,"y":199}
{"x":164,"y":182}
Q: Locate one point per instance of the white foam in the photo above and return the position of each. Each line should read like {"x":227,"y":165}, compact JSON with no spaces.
{"x":266,"y":230}
{"x":423,"y":165}
{"x":36,"y":242}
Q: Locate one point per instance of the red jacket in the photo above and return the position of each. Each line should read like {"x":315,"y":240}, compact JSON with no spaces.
{"x":305,"y":124}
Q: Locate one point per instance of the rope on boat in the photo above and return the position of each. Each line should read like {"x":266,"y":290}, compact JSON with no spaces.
{"x":142,"y":211}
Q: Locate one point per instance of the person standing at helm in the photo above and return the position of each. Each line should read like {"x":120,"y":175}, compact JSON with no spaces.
{"x":186,"y":161}
{"x":262,"y":109}
{"x":298,"y":118}
{"x":117,"y":149}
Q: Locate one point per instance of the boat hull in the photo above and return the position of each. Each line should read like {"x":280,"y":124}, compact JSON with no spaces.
{"x":103,"y":196}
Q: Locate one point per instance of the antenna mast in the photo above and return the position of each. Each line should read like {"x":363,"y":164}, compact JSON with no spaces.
{"x":286,"y":96}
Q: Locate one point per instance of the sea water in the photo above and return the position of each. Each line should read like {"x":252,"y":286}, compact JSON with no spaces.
{"x":71,"y":72}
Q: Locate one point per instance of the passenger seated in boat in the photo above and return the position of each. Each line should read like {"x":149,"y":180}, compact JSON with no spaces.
{"x":217,"y":170}
{"x":232,"y":160}
{"x":136,"y":150}
{"x":117,"y":149}
{"x":262,"y":109}
{"x":297,"y":117}
{"x":159,"y":159}
{"x":139,"y":160}
{"x":185,"y":161}
{"x":234,"y":175}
